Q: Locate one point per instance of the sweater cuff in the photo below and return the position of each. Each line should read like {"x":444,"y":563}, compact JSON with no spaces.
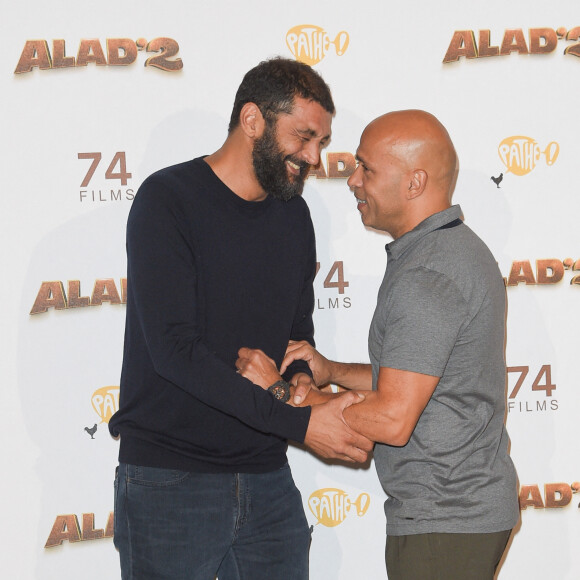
{"x":291,"y":422}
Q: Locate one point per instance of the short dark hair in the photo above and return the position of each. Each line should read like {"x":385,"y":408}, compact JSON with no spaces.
{"x":274,"y":84}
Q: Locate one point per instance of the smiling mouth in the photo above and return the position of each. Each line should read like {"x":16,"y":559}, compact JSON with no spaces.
{"x":293,"y":167}
{"x":360,"y":201}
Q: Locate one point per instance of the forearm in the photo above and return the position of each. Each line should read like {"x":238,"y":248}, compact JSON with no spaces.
{"x":351,"y":375}
{"x":373,"y":419}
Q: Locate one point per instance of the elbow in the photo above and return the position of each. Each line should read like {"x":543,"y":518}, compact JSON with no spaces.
{"x":396,"y":434}
{"x":400,"y":439}
{"x":168,"y":356}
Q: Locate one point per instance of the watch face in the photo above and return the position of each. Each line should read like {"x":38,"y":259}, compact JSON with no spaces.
{"x":280,"y":390}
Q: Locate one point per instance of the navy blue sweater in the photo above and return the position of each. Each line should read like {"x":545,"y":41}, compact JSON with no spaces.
{"x":209,"y":272}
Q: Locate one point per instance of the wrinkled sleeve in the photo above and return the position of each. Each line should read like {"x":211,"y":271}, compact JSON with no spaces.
{"x":303,"y":325}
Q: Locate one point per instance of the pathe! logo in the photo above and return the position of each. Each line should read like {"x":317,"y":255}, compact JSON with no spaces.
{"x":521,"y":154}
{"x":105,"y":402}
{"x":330,"y":506}
{"x":309,"y":43}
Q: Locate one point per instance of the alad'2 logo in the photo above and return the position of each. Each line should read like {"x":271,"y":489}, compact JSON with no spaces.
{"x":309,"y":43}
{"x":118,"y":52}
{"x":556,"y":495}
{"x":541,"y":41}
{"x":521,"y":154}
{"x":330,"y":506}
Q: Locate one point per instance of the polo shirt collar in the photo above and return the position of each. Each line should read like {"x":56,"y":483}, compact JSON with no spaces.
{"x":438,"y":220}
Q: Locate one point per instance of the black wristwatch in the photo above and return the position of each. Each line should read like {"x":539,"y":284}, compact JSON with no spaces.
{"x":280,"y":390}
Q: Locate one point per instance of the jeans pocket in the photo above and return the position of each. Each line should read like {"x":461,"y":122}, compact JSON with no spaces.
{"x":155,"y":476}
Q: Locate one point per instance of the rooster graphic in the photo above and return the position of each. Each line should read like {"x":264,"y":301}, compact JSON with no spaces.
{"x":92,"y":430}
{"x":497,"y":180}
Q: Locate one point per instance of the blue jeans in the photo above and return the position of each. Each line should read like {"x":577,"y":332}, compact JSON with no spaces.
{"x":178,"y":525}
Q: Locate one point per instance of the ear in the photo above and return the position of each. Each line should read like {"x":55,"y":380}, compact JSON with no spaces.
{"x":417,"y":183}
{"x":252,"y":122}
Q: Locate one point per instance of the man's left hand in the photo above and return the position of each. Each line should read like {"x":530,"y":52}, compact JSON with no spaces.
{"x":255,"y":365}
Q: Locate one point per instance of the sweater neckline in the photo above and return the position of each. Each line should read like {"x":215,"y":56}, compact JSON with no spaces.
{"x":228,"y":195}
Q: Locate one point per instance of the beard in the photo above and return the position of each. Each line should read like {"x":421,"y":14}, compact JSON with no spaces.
{"x":271,"y":170}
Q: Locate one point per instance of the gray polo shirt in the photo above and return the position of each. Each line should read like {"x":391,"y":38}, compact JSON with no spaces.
{"x":441,"y":312}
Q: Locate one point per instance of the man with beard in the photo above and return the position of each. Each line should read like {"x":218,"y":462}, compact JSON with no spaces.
{"x":221,"y":255}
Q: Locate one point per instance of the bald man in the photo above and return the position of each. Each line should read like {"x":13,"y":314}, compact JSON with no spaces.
{"x":434,"y":393}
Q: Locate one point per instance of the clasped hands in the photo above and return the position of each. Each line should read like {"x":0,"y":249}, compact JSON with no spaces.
{"x":328,"y":433}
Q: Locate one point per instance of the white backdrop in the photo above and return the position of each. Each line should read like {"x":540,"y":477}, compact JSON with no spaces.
{"x":84,"y":122}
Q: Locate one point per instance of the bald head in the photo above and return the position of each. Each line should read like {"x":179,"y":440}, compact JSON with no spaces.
{"x":409,"y":166}
{"x":419,"y":141}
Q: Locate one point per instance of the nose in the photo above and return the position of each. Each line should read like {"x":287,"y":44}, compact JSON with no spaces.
{"x":354,"y":180}
{"x":311,"y":153}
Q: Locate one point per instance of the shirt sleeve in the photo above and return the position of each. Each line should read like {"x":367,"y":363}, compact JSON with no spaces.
{"x":424,"y":315}
{"x":303,"y":325}
{"x":162,"y":275}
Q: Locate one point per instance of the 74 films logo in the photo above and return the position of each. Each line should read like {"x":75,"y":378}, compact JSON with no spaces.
{"x":309,"y":43}
{"x":334,"y":279}
{"x":116,"y":170}
{"x":119,"y":52}
{"x":541,"y":382}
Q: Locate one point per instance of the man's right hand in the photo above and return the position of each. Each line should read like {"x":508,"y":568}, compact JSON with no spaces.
{"x":329,"y":436}
{"x":319,"y":365}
